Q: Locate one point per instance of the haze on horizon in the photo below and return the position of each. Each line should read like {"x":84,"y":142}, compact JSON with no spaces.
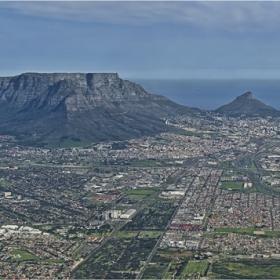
{"x":142,"y":40}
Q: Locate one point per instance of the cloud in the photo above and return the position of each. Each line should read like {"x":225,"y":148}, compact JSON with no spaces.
{"x":231,"y":16}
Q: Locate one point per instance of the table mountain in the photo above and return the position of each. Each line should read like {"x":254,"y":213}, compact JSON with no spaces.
{"x":247,"y":105}
{"x":91,"y":106}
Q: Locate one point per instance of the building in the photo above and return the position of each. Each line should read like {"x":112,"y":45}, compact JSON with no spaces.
{"x":128,"y":214}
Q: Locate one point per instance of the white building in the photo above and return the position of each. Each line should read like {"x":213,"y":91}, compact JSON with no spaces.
{"x":128,"y":214}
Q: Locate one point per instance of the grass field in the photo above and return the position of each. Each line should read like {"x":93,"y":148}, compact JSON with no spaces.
{"x":246,"y":269}
{"x":170,"y":180}
{"x":127,"y":234}
{"x":174,"y":253}
{"x":149,"y":234}
{"x":193,"y":267}
{"x":231,"y":185}
{"x":4,"y":183}
{"x":119,"y":207}
{"x":164,"y":200}
{"x":24,"y":256}
{"x":211,"y":235}
{"x":68,"y":192}
{"x":251,"y":190}
{"x":236,"y":230}
{"x":95,"y":201}
{"x":271,"y":234}
{"x":249,"y":231}
{"x":91,"y":194}
{"x":252,"y":166}
{"x":225,"y":164}
{"x":136,"y":196}
{"x":139,"y":194}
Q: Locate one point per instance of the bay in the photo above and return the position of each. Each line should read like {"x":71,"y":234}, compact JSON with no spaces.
{"x":211,"y":94}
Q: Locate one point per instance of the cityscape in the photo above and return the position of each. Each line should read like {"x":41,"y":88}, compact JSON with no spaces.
{"x":187,"y":204}
{"x":133,"y":142}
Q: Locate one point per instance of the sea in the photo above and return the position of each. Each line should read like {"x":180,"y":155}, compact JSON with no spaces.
{"x":211,"y":94}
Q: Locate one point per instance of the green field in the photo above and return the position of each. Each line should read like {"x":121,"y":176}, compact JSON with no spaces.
{"x":149,"y":234}
{"x":127,"y":234}
{"x":252,"y":165}
{"x":135,"y":196}
{"x":91,"y":194}
{"x":174,"y":252}
{"x":231,"y":185}
{"x":4,"y":183}
{"x":119,"y":207}
{"x":24,"y":256}
{"x":246,"y":269}
{"x":211,"y":235}
{"x":170,"y":180}
{"x":70,"y":192}
{"x":226,"y":164}
{"x":95,"y":201}
{"x":271,"y":234}
{"x":249,"y":231}
{"x":195,"y":266}
{"x":139,"y":194}
{"x":251,"y":190}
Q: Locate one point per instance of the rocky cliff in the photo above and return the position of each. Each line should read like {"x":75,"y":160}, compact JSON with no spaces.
{"x":81,"y":106}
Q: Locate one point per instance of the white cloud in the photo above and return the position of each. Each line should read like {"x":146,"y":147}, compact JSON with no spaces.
{"x":233,"y":16}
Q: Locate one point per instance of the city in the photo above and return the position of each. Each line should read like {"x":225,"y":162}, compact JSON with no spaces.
{"x":187,"y":204}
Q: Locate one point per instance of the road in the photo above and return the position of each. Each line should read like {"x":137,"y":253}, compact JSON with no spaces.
{"x":119,"y":227}
{"x":140,"y":275}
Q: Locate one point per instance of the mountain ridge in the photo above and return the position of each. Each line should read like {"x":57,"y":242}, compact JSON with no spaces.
{"x":94,"y":106}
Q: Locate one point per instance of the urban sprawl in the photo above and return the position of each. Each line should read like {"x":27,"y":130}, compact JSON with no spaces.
{"x":201,"y":202}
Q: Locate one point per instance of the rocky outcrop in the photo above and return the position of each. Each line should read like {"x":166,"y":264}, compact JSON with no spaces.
{"x":94,"y":106}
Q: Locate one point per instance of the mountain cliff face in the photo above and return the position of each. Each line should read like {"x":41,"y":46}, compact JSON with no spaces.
{"x":77,"y":105}
{"x":246,"y":105}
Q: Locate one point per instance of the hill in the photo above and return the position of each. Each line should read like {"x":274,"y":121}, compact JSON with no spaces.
{"x":246,"y":105}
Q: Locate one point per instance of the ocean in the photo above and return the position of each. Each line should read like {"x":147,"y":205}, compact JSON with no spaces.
{"x":211,"y":94}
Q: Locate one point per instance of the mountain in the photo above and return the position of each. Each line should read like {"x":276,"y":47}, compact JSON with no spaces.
{"x":79,"y":106}
{"x":247,"y":106}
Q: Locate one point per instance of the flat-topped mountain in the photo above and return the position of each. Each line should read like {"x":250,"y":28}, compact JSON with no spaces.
{"x":80,"y":106}
{"x":247,"y":105}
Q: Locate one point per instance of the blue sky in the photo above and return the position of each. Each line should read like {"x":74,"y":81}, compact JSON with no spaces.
{"x":142,"y":39}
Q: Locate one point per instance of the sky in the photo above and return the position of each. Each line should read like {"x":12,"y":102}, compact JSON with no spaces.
{"x":142,"y":39}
